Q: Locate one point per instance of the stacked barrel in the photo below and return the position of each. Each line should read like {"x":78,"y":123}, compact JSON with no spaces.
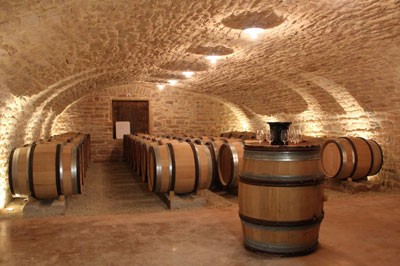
{"x":50,"y":168}
{"x":184,"y":164}
{"x":351,"y":157}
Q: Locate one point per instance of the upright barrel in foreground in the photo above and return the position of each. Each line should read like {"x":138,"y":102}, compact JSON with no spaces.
{"x":281,"y":199}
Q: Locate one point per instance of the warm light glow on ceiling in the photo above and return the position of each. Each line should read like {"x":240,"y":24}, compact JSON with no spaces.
{"x":253,"y":32}
{"x":172,"y":82}
{"x":188,"y":74}
{"x":160,"y":86}
{"x":213,"y":58}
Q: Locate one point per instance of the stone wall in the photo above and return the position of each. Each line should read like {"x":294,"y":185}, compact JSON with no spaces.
{"x":172,"y":111}
{"x":21,"y":122}
{"x":381,"y":127}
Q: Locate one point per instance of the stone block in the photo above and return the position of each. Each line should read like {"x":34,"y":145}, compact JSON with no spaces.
{"x":39,"y":208}
{"x":182,"y":201}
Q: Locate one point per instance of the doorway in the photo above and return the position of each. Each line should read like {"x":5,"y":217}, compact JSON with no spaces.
{"x":136,"y":112}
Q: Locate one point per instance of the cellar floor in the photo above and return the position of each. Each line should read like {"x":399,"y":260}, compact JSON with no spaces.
{"x":126,"y":225}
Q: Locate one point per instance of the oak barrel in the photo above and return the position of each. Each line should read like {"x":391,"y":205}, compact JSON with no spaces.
{"x":144,"y":157}
{"x":18,"y":171}
{"x":230,"y":160}
{"x":377,"y":157}
{"x":159,"y":168}
{"x":214,"y":146}
{"x":205,"y":166}
{"x":338,"y":158}
{"x":281,"y":199}
{"x":45,"y":170}
{"x":351,"y":157}
{"x":226,"y":134}
{"x":181,"y":167}
{"x":71,"y":179}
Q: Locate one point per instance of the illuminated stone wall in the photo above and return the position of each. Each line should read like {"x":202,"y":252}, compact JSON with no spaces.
{"x":332,"y":111}
{"x":20,"y":124}
{"x":172,"y":111}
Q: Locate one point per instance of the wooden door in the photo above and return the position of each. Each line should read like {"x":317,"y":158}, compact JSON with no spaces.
{"x":136,"y":112}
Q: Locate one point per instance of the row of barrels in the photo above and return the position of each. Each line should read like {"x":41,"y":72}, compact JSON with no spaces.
{"x":49,"y":168}
{"x":184,"y":164}
{"x":341,"y":158}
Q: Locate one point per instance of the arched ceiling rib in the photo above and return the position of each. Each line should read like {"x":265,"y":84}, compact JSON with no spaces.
{"x":45,"y":45}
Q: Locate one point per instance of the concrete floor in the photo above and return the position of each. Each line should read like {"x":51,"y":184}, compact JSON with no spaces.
{"x":360,"y":229}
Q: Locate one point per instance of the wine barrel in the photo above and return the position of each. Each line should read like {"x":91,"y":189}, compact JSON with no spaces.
{"x":205,"y":166}
{"x":132,"y":149}
{"x":159,"y":168}
{"x":45,"y":170}
{"x":225,"y":134}
{"x":214,"y":146}
{"x":163,"y":141}
{"x":281,"y":199}
{"x":144,"y":157}
{"x":201,"y":139}
{"x":230,"y":160}
{"x":71,"y":180}
{"x":186,"y":139}
{"x":350,"y":157}
{"x":377,"y":157}
{"x":248,"y":135}
{"x":64,"y":137}
{"x":338,"y":158}
{"x":79,"y":141}
{"x":136,"y":152}
{"x":198,"y":141}
{"x":181,"y":167}
{"x":18,"y":171}
{"x":125,"y":147}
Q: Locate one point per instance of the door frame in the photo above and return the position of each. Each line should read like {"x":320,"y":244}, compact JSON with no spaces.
{"x":133,"y":99}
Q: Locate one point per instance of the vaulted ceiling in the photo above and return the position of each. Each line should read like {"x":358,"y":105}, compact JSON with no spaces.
{"x":58,"y":51}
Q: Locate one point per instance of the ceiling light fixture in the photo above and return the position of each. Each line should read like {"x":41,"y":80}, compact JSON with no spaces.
{"x":213,"y":58}
{"x":160,"y":86}
{"x":188,"y":74}
{"x":253,"y":32}
{"x":172,"y":82}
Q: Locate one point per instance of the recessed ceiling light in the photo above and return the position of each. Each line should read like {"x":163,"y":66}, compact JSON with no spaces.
{"x":172,"y":82}
{"x":213,"y":58}
{"x":160,"y":86}
{"x":253,"y":32}
{"x":188,"y":74}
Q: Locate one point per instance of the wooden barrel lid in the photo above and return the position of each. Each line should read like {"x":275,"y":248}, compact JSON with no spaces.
{"x":331,"y":158}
